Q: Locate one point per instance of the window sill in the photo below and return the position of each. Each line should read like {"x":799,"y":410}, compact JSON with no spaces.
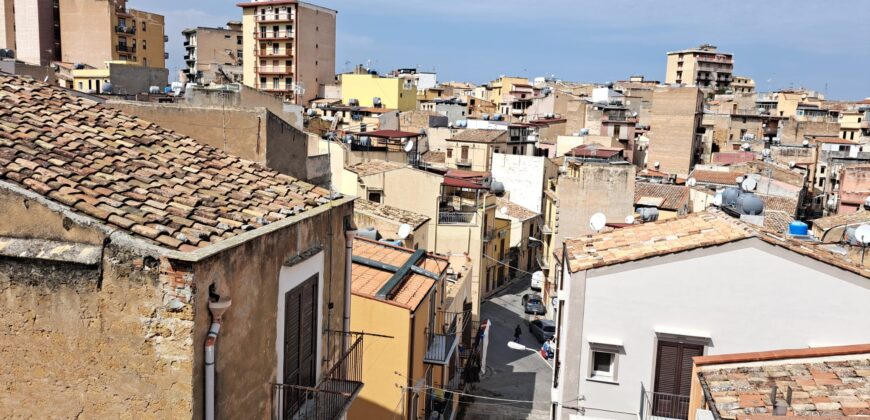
{"x":603,"y":381}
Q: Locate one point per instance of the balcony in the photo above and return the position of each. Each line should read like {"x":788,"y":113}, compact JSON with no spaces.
{"x":463,"y":162}
{"x":121,"y":29}
{"x":276,"y":17}
{"x":274,"y":70}
{"x":661,"y":406}
{"x":273,"y":53}
{"x":126,"y":48}
{"x":332,"y":396}
{"x":443,"y":336}
{"x":455,"y":218}
{"x":489,"y":234}
{"x":263,"y":35}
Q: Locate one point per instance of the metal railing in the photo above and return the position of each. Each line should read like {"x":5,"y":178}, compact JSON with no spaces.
{"x":662,"y":405}
{"x":443,"y":339}
{"x":440,"y":408}
{"x":121,"y":29}
{"x":272,"y":53}
{"x":274,"y":34}
{"x":126,"y":48}
{"x":332,"y":396}
{"x":463,"y":162}
{"x":275,"y":17}
{"x":274,"y":70}
{"x":456,"y":218}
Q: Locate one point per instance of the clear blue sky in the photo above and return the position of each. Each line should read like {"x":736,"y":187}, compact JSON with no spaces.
{"x":779,"y":43}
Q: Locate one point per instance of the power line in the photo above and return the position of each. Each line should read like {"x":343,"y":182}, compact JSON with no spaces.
{"x":506,"y":265}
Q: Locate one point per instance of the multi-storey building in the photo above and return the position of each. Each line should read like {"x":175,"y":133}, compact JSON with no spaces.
{"x":704,"y":66}
{"x":291,"y":45}
{"x":675,"y":144}
{"x":93,"y":32}
{"x":30,"y":28}
{"x":368,"y":89}
{"x":741,"y":84}
{"x":213,"y":54}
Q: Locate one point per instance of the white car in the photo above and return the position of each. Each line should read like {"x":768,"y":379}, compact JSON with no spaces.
{"x":537,"y":280}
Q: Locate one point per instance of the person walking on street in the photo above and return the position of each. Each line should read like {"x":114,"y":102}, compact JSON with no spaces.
{"x":517,"y":333}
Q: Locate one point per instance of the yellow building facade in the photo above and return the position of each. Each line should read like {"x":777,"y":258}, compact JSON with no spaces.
{"x":393,"y":92}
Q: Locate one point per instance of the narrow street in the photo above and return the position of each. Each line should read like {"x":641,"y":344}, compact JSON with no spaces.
{"x":511,"y":374}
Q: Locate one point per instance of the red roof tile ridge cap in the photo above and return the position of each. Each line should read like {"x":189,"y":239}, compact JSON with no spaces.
{"x":801,"y":353}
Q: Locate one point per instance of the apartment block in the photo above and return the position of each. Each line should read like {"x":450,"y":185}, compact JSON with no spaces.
{"x":675,"y":144}
{"x":704,"y":66}
{"x":292,"y":47}
{"x":30,"y":28}
{"x":371,"y":90}
{"x":96,"y":31}
{"x":741,"y":84}
{"x":213,"y":54}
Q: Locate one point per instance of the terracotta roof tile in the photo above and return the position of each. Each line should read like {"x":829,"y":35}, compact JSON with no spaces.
{"x":389,"y":212}
{"x":367,"y":280}
{"x":827,"y":382}
{"x":514,"y":210}
{"x":673,"y":197}
{"x":716,"y":177}
{"x":134,"y":174}
{"x":374,"y":166}
{"x":829,"y":222}
{"x":481,"y":136}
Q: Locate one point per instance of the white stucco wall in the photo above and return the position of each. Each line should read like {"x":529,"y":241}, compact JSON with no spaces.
{"x":523,"y":177}
{"x":745,"y":296}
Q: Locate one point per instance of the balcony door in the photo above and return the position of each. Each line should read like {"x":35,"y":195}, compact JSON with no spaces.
{"x":300,"y":342}
{"x":674,"y":378}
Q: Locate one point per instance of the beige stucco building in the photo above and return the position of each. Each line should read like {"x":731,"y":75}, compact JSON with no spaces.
{"x":93,"y":32}
{"x":291,"y":46}
{"x":213,"y":54}
{"x":28,"y":28}
{"x":704,"y":66}
{"x":675,"y":143}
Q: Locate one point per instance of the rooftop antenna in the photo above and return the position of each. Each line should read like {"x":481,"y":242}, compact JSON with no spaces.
{"x":597,"y":222}
{"x":404,"y":230}
{"x":862,"y":234}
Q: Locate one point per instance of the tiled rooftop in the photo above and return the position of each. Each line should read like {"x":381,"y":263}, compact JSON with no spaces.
{"x":389,"y":212}
{"x":375,"y":166}
{"x":824,"y":383}
{"x":672,"y":197}
{"x":513,"y":209}
{"x":716,"y":177}
{"x":434,"y":157}
{"x":829,"y":222}
{"x":135,"y":175}
{"x":481,"y":136}
{"x":778,"y":212}
{"x":368,"y":280}
{"x":695,"y":230}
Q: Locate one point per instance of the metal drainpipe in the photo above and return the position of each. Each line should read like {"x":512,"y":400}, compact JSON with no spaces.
{"x":349,"y":234}
{"x":217,"y":310}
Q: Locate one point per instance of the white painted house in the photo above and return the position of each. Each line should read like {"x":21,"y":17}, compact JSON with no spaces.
{"x":636,"y":304}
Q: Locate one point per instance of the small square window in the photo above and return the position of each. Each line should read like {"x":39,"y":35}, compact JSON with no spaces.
{"x":375,"y":196}
{"x":603,"y":366}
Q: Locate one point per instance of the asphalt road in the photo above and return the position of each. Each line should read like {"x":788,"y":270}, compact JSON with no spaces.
{"x":511,"y":374}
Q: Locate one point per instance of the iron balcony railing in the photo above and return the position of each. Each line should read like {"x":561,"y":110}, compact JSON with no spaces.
{"x":443,"y":337}
{"x":275,"y":17}
{"x":274,"y":34}
{"x":121,"y":29}
{"x":332,"y":396}
{"x":662,"y":405}
{"x":126,"y":48}
{"x":439,"y":407}
{"x":455,"y":218}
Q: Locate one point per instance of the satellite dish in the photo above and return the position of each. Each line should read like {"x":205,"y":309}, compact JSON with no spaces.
{"x":656,"y":165}
{"x":862,"y":234}
{"x":404,"y":230}
{"x":503,"y":210}
{"x":597,"y":221}
{"x":739,"y":179}
{"x":765,"y":152}
{"x":717,"y":200}
{"x":409,"y":145}
{"x":746,"y":146}
{"x":691,"y":182}
{"x":629,"y":219}
{"x":791,"y":164}
{"x":749,"y":184}
{"x":806,"y":143}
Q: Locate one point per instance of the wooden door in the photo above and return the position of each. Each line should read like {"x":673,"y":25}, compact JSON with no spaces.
{"x":300,"y":342}
{"x":673,"y":378}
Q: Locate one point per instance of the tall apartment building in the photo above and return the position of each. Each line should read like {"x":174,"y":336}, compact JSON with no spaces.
{"x":213,"y":54}
{"x":704,"y":66}
{"x":96,"y":31}
{"x":31,"y":29}
{"x":675,"y":144}
{"x":291,"y":45}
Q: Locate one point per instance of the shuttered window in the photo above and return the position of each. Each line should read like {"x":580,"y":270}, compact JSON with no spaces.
{"x":674,"y":367}
{"x":300,"y":339}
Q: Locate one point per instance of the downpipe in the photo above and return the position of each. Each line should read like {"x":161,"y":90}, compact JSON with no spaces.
{"x":217,"y":306}
{"x":349,"y":234}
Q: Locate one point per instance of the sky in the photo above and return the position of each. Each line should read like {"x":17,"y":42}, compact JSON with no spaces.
{"x":821,"y":45}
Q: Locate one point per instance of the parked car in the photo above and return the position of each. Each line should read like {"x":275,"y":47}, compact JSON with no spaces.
{"x":534,"y":304}
{"x":542,"y":329}
{"x":537,"y":280}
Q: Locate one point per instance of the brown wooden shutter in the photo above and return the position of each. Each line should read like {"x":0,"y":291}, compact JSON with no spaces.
{"x":666,"y":367}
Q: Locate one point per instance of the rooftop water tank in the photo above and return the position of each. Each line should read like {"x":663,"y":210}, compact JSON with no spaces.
{"x":106,"y":88}
{"x":729,"y":196}
{"x":154,"y":90}
{"x":648,"y":214}
{"x":368,"y":233}
{"x":496,"y":187}
{"x":750,"y":204}
{"x":798,"y":228}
